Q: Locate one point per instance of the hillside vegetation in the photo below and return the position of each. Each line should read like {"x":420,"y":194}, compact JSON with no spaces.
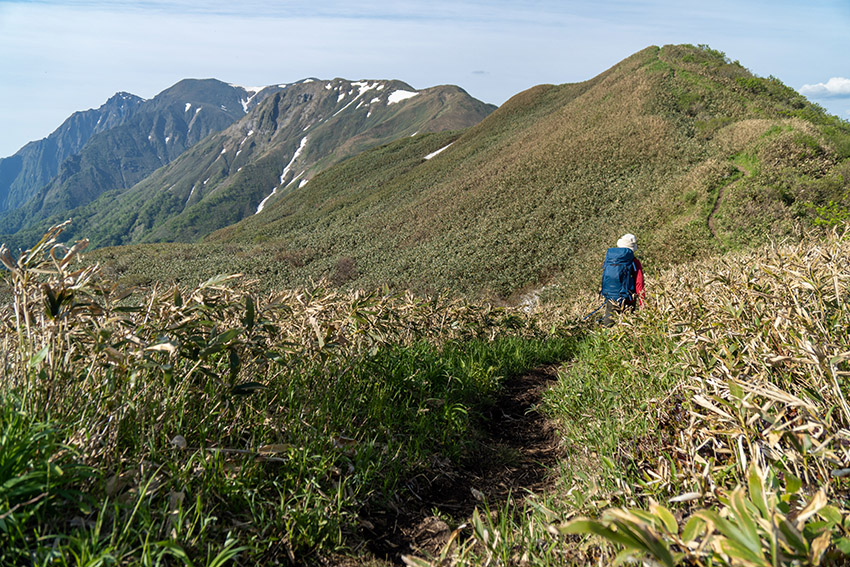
{"x":196,"y":418}
{"x":212,"y":425}
{"x":678,"y":145}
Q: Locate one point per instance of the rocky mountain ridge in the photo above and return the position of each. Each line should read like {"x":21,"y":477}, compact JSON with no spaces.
{"x":291,"y":134}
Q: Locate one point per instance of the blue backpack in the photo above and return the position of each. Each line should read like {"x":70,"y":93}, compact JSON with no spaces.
{"x":619,"y":275}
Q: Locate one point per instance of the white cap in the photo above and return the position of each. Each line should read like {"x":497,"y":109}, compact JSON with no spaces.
{"x":628,"y":241}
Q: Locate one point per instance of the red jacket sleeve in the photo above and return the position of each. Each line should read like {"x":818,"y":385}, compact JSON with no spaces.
{"x":639,"y":289}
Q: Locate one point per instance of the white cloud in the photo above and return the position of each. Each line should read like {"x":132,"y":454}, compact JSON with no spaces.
{"x":835,"y":87}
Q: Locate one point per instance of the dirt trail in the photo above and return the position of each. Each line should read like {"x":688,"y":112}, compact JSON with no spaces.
{"x":518,"y":448}
{"x":710,"y":220}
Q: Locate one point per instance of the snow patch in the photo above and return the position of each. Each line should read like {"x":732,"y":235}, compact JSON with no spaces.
{"x":398,"y":96}
{"x":188,"y":106}
{"x":192,"y":192}
{"x":432,"y":154}
{"x":365,"y":87}
{"x":344,"y":107}
{"x":303,"y":182}
{"x":284,"y":174}
{"x":223,"y":151}
{"x":263,"y":202}
{"x":294,"y":157}
{"x":254,"y":90}
{"x":167,"y":139}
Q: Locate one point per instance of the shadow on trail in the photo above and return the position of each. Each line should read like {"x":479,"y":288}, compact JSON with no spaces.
{"x":516,"y":450}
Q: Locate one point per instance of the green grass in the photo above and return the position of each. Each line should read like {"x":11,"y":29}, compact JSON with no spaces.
{"x":210,"y":425}
{"x":690,"y":427}
{"x":604,"y":396}
{"x":206,"y":423}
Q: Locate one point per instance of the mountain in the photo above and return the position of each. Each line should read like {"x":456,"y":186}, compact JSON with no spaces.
{"x":277,"y":148}
{"x":34,"y":165}
{"x":115,"y":147}
{"x":678,"y":145}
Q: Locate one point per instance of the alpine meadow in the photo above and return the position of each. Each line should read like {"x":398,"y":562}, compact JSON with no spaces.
{"x":393,"y":356}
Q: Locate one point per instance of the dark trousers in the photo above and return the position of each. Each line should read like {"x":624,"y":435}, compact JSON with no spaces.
{"x":612,"y":307}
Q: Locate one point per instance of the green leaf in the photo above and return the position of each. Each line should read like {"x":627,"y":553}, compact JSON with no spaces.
{"x":246,"y":388}
{"x":793,"y":537}
{"x":751,"y":537}
{"x":625,"y":556}
{"x":248,"y":321}
{"x":585,"y":526}
{"x":650,"y":541}
{"x":843,"y":545}
{"x":735,"y":390}
{"x":234,"y":363}
{"x":693,"y":527}
{"x":792,"y":483}
{"x":728,"y":529}
{"x":39,"y":357}
{"x":220,"y":341}
{"x":755,"y":480}
{"x":740,"y":551}
{"x":666,"y":517}
{"x":830,"y":514}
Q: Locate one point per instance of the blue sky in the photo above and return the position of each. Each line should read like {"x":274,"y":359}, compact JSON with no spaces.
{"x":57,"y":57}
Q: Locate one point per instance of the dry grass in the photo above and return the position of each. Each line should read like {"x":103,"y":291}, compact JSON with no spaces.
{"x":755,"y":471}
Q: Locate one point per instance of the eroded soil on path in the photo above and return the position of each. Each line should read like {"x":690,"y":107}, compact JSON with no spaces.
{"x":518,"y":447}
{"x":709,"y":221}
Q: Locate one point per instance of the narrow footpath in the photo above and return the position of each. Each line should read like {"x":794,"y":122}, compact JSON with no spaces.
{"x":519,"y":447}
{"x":710,"y":220}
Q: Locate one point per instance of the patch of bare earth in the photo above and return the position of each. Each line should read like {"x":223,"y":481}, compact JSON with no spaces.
{"x":710,"y":219}
{"x":517,"y":448}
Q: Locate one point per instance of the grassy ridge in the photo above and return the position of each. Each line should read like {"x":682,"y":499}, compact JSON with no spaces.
{"x":652,"y":146}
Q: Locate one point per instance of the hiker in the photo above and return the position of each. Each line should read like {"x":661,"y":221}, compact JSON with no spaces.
{"x":622,"y":279}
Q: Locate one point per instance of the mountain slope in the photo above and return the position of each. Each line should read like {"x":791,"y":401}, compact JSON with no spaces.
{"x":278,"y":147}
{"x":34,"y":165}
{"x":117,"y":157}
{"x":538,"y":190}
